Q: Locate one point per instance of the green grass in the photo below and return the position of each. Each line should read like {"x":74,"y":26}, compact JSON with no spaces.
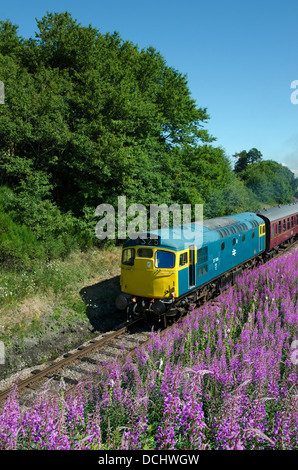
{"x":25,"y":296}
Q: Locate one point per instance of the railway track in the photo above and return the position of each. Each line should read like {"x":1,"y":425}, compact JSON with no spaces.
{"x":76,"y":366}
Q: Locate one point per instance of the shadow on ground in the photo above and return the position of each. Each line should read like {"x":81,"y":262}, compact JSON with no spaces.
{"x":54,"y":338}
{"x":100,"y":304}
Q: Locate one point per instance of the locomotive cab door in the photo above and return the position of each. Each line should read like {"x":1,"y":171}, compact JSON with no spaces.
{"x":192,"y":267}
{"x":262,"y":233}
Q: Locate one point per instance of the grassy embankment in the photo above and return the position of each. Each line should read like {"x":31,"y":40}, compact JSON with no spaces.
{"x":60,"y":295}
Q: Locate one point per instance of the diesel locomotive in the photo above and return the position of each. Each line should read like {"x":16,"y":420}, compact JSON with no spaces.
{"x":162,"y":274}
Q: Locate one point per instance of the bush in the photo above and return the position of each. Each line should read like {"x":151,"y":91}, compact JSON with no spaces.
{"x":53,"y":231}
{"x":18,"y":245}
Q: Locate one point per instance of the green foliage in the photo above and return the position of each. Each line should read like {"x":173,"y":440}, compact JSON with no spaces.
{"x":10,"y":43}
{"x":97,"y":115}
{"x":232,"y":198}
{"x":18,"y":245}
{"x":89,"y":117}
{"x":246,"y":158}
{"x":28,"y":206}
{"x":271,"y":182}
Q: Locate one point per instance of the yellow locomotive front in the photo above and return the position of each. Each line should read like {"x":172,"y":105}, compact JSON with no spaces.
{"x":148,"y":279}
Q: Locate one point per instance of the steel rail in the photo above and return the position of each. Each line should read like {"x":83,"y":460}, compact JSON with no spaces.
{"x":38,"y":374}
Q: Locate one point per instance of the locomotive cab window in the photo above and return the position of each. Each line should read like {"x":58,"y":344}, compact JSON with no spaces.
{"x":128,"y":256}
{"x":183,"y":259}
{"x":164,"y":259}
{"x":145,"y":253}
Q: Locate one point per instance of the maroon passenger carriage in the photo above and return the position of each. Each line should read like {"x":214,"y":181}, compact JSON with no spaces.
{"x":281,"y":225}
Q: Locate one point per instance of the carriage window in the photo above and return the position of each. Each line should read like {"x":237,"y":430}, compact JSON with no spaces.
{"x":234,"y":241}
{"x":243,"y":238}
{"x":253,"y":234}
{"x":284,"y":225}
{"x":292,"y":221}
{"x":164,"y":259}
{"x":279,"y":226}
{"x":183,"y":259}
{"x":145,"y":253}
{"x":223,"y":246}
{"x":128,"y":256}
{"x":288,"y":223}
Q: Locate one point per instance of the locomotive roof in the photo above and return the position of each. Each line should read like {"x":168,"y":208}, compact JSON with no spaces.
{"x":276,"y":213}
{"x":181,"y":237}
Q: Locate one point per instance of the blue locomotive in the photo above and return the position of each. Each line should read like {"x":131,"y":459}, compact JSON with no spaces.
{"x":162,"y":274}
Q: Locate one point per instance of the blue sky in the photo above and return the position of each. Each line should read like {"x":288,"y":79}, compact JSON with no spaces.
{"x":240,"y":58}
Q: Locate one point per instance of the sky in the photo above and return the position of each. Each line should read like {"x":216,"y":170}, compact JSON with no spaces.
{"x":240,"y":59}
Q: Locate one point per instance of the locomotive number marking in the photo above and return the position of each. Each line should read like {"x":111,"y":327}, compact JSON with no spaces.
{"x":149,"y":241}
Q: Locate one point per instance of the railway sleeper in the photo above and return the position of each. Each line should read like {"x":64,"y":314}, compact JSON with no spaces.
{"x":67,"y":380}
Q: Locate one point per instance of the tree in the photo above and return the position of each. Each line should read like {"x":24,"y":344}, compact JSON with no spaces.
{"x":89,"y":117}
{"x":96,"y":114}
{"x":271,"y":182}
{"x":254,"y":156}
{"x":245,"y":158}
{"x":10,"y":43}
